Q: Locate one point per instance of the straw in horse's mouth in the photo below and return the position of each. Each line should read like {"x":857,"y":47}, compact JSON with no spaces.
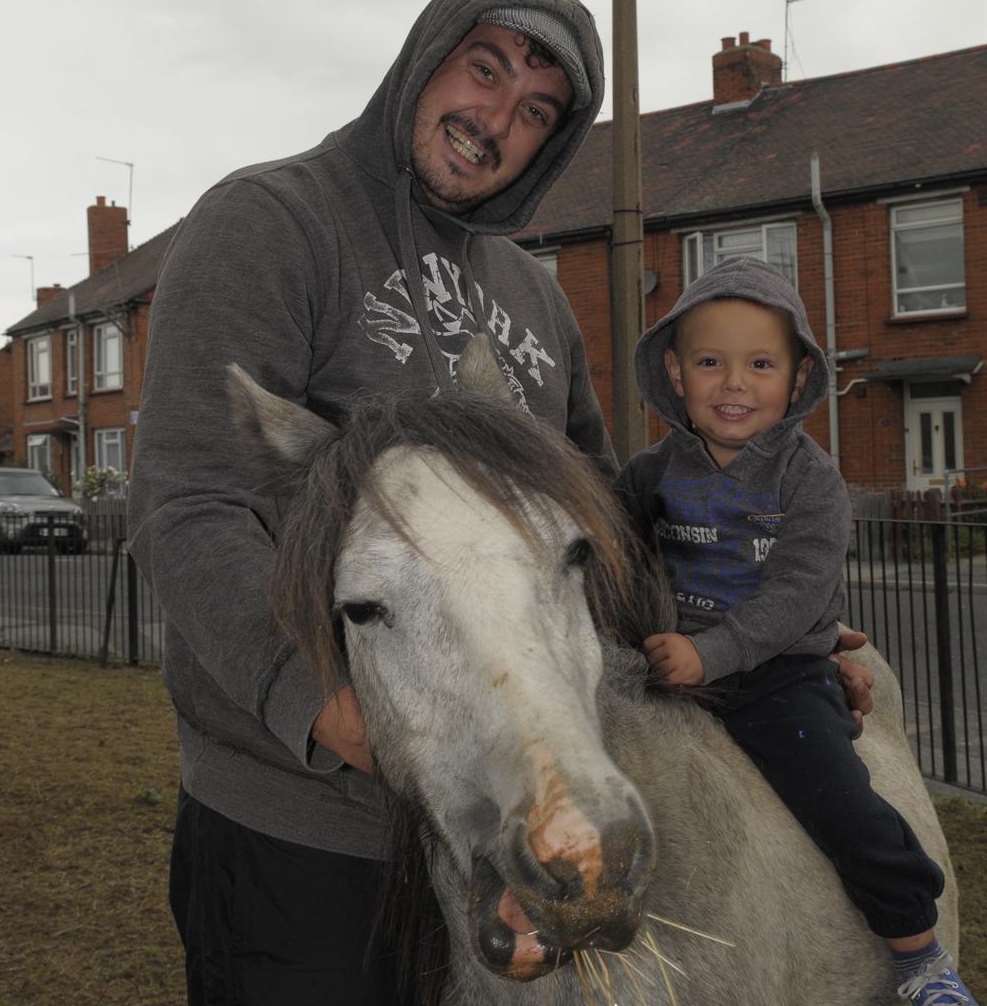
{"x":505,"y":937}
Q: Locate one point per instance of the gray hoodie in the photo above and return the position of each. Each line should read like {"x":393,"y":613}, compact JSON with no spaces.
{"x":756,"y":549}
{"x":324,"y":276}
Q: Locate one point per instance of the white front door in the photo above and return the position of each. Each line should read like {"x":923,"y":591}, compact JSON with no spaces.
{"x":933,"y":438}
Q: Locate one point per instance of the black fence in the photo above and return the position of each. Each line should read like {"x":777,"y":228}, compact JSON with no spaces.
{"x":69,"y":588}
{"x":917,"y":588}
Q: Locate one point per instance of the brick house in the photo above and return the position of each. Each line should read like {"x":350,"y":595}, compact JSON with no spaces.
{"x":77,"y":361}
{"x":6,"y":402}
{"x":903,"y":165}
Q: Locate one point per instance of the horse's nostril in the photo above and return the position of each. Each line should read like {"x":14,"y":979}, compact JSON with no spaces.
{"x":528,"y":871}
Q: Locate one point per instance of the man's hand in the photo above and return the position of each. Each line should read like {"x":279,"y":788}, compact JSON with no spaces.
{"x":340,"y":728}
{"x":856,"y":679}
{"x":675,"y":657}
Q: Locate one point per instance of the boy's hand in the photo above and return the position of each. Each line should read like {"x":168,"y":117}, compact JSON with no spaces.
{"x":675,"y":657}
{"x":856,"y":679}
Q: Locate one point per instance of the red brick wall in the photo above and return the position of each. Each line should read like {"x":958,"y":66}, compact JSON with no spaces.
{"x":871,"y":415}
{"x":6,"y":388}
{"x":104,"y":409}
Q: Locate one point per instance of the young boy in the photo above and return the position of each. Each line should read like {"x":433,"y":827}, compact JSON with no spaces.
{"x":752,"y":520}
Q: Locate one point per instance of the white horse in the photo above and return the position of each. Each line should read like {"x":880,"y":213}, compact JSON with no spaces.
{"x":591,"y":842}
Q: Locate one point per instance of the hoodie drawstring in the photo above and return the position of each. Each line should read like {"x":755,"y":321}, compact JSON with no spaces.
{"x":408,"y":259}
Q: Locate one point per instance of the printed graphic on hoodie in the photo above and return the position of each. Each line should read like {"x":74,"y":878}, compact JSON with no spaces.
{"x":712,"y":538}
{"x":389,"y":320}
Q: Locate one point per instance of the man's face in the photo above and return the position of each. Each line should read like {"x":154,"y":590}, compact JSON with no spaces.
{"x":734,"y":365}
{"x":483,"y":116}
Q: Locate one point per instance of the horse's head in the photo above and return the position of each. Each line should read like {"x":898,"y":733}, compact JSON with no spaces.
{"x":449,"y":542}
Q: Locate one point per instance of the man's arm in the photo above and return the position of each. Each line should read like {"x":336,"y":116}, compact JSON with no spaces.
{"x":798,"y":579}
{"x":238,"y":285}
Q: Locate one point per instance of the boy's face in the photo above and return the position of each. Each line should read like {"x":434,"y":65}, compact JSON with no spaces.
{"x":734,"y":365}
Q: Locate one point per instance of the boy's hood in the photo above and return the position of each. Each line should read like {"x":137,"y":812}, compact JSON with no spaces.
{"x":381,"y":138}
{"x":745,"y":279}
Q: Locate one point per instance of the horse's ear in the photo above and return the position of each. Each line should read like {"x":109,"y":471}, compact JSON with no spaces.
{"x":280,"y":426}
{"x":479,"y":370}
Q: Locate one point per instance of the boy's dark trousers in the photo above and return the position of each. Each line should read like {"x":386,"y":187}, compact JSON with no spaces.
{"x":791,"y":718}
{"x":266,"y":922}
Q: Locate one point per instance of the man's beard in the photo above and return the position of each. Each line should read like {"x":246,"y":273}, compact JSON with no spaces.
{"x":440,"y":182}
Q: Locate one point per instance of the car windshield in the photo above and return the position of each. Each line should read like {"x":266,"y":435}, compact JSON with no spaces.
{"x":25,"y":484}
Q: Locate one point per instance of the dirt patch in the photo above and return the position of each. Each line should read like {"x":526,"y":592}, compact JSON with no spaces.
{"x":965,"y":825}
{"x":88,"y":779}
{"x":88,"y":782}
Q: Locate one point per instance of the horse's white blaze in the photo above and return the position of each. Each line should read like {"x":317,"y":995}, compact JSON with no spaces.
{"x":483,"y":625}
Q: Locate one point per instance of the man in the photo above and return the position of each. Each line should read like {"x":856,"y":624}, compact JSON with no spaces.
{"x":365,"y":263}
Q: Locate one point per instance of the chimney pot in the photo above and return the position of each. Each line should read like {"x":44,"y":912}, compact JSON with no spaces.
{"x":101,"y":200}
{"x":728,"y":43}
{"x":740,"y":72}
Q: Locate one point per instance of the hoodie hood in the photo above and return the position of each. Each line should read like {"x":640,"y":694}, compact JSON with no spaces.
{"x":743,"y":279}
{"x":381,"y":138}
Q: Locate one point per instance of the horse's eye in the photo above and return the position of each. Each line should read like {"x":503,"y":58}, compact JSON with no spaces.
{"x":365,"y":612}
{"x":578,"y":553}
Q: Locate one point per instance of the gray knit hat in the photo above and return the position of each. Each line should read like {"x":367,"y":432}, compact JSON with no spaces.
{"x":552,"y":32}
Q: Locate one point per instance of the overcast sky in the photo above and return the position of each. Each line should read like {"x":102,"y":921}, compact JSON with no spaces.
{"x":188,"y":90}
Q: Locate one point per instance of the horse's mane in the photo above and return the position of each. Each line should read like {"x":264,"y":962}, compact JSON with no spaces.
{"x":516,"y":462}
{"x":521,"y":466}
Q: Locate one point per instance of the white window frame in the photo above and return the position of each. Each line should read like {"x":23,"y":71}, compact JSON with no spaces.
{"x":115,"y":437}
{"x":39,"y":452}
{"x":38,"y":368}
{"x":694,"y":247}
{"x":71,"y":361}
{"x":103,"y":379}
{"x":952,"y":214}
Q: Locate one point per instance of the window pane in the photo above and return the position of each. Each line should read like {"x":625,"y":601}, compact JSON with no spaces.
{"x":738,"y":243}
{"x":932,"y":300}
{"x":925,"y":214}
{"x":709,"y":256}
{"x":113,"y":354}
{"x":926,"y":423}
{"x":949,"y":439}
{"x":781,"y":251}
{"x":929,"y":256}
{"x":110,"y":449}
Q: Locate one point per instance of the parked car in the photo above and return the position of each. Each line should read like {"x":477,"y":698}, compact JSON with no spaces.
{"x":31,"y":508}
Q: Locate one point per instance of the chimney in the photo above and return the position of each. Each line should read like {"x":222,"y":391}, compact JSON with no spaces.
{"x":741,"y":70}
{"x":107,"y":233}
{"x":47,"y":293}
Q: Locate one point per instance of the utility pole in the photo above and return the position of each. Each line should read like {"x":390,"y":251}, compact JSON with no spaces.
{"x":630,"y":428}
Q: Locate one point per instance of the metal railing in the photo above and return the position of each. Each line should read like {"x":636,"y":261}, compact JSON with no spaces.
{"x":68,"y":587}
{"x":919,"y":590}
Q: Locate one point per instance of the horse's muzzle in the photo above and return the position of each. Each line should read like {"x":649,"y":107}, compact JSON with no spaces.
{"x":530,"y":913}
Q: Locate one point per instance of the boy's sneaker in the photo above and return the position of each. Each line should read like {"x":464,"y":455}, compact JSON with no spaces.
{"x":937,"y":985}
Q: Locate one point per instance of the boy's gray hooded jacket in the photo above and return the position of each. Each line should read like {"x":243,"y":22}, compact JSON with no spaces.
{"x":324,"y":276}
{"x":756,"y":549}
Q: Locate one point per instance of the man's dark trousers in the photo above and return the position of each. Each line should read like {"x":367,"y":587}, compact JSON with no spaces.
{"x":270,"y":923}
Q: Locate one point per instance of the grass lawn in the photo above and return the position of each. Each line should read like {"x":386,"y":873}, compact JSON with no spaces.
{"x":88,"y":773}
